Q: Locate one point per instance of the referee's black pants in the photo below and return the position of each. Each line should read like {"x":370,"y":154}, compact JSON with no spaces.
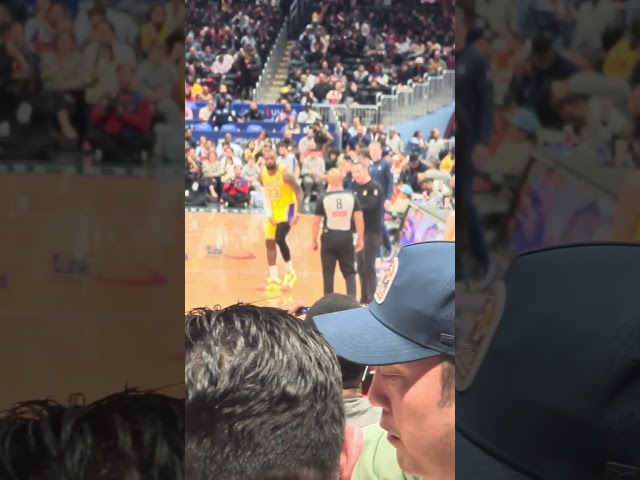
{"x":338,"y":246}
{"x":367,"y":266}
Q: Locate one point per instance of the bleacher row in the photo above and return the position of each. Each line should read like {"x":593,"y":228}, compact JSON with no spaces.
{"x":246,"y":131}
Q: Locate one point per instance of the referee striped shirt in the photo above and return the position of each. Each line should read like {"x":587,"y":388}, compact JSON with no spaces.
{"x":337,"y":208}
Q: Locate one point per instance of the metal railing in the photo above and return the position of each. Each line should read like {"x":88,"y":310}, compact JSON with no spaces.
{"x":299,"y":16}
{"x":416,"y":99}
{"x":271,"y":65}
{"x":404,"y":103}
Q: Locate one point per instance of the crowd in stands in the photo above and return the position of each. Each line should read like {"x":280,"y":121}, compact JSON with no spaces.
{"x":423,"y":168}
{"x":90,"y":78}
{"x":568,"y":77}
{"x":226,"y":46}
{"x":565,"y":86}
{"x":346,"y":54}
{"x":349,"y":54}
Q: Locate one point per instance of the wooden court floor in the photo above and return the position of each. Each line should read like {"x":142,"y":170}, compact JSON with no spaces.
{"x":232,"y":273}
{"x":118,"y":324}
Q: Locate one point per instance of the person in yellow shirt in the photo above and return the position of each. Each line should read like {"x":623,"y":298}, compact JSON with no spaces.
{"x":449,"y":161}
{"x":621,"y":59}
{"x":155,"y":30}
{"x":196,"y":90}
{"x":282,"y":198}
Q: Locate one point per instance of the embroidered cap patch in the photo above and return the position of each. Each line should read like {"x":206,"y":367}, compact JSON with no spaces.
{"x":385,"y":284}
{"x":474,"y":343}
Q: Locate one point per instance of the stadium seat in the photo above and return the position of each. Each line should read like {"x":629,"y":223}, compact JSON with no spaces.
{"x":229,"y":128}
{"x":202,"y":127}
{"x":253,"y":128}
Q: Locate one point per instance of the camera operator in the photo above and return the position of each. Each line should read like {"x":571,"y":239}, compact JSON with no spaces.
{"x":235,"y":191}
{"x":121,"y":122}
{"x":321,"y":136}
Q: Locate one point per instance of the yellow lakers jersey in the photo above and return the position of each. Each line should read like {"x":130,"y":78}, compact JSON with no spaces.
{"x":280,"y":194}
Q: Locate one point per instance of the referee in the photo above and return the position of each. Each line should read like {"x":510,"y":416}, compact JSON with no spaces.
{"x":339,"y":210}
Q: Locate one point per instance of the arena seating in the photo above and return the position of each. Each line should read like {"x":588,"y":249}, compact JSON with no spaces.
{"x":238,"y":31}
{"x":62,"y":83}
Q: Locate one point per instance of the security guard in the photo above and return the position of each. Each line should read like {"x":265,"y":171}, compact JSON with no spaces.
{"x":339,"y":211}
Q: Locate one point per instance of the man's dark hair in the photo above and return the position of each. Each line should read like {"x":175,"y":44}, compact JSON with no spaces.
{"x":197,"y":322}
{"x":336,"y":302}
{"x":263,"y":398}
{"x":129,"y":435}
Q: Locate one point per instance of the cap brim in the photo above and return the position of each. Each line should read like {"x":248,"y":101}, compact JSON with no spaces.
{"x":357,"y":336}
{"x":474,"y":463}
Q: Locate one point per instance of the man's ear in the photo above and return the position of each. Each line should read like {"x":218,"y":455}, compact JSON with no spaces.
{"x":351,"y":450}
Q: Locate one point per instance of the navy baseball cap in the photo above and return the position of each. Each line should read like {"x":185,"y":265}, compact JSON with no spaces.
{"x":548,"y":377}
{"x":412,"y":316}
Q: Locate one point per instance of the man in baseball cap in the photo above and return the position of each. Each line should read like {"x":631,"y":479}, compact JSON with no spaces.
{"x":408,"y":334}
{"x":548,"y":377}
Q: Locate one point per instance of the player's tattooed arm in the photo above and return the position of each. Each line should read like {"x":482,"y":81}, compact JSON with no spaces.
{"x":290,"y":180}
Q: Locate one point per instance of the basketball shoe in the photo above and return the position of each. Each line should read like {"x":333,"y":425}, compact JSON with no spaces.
{"x":289,"y":279}
{"x":273,"y":285}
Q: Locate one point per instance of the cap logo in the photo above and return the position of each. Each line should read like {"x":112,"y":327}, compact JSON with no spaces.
{"x":475,"y":336}
{"x":385,"y":284}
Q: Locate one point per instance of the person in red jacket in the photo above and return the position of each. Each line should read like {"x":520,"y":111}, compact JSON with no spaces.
{"x":121,"y":122}
{"x":236,"y":191}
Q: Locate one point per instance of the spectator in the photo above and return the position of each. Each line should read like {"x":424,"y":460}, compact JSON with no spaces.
{"x":121,"y":124}
{"x":410,"y":172}
{"x":104,"y":34}
{"x":529,"y":85}
{"x":360,"y":138}
{"x":235,"y":191}
{"x":434,"y":147}
{"x":251,"y":171}
{"x":253,"y":114}
{"x":394,"y":141}
{"x":358,"y":410}
{"x":417,"y":144}
{"x":253,"y":441}
{"x":205,"y":112}
{"x":303,"y":144}
{"x":152,"y":421}
{"x":308,"y":115}
{"x":285,"y":157}
{"x":156,"y":30}
{"x":222,"y":115}
{"x":155,"y":77}
{"x":313,"y":174}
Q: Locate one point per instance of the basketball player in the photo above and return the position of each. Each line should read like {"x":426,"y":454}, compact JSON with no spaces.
{"x":340,"y":210}
{"x":282,"y":198}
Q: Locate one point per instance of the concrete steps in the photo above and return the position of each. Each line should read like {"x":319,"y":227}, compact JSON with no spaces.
{"x":272,"y":94}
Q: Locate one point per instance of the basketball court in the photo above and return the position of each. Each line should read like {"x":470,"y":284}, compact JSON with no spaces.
{"x":226,"y":260}
{"x":105,"y":313}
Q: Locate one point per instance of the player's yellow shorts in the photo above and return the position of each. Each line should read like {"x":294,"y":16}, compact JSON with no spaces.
{"x":270,"y":231}
{"x":280,"y":217}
